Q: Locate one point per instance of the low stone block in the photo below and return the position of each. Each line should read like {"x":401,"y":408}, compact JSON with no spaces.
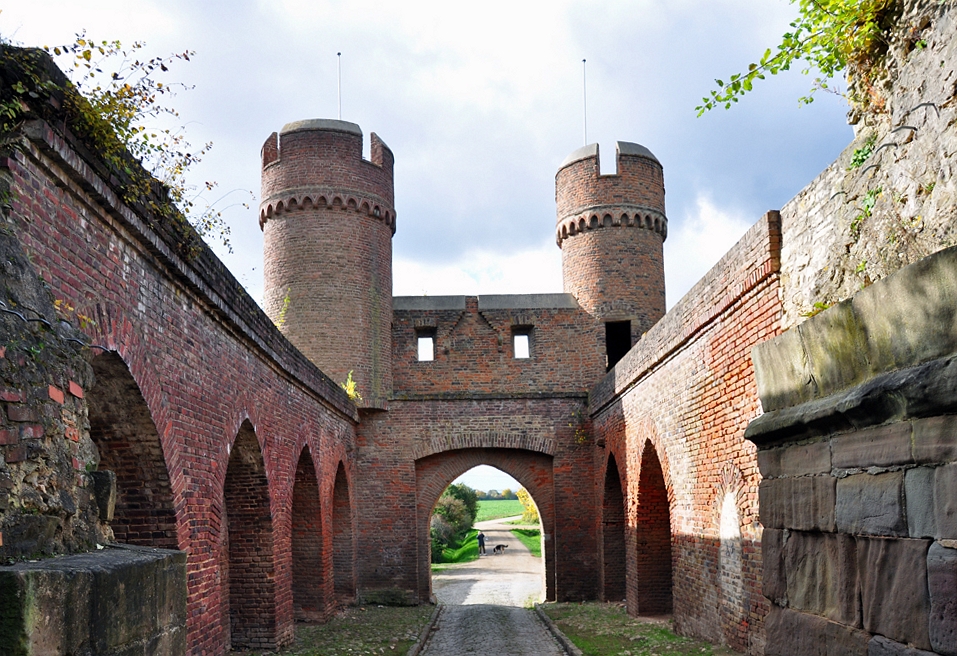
{"x":935,"y":440}
{"x":822,"y":576}
{"x":871,"y":504}
{"x":774,"y":582}
{"x":919,"y":496}
{"x":945,"y":501}
{"x":845,"y":640}
{"x":875,"y":447}
{"x":127,"y":601}
{"x":894,"y":597}
{"x":796,"y":460}
{"x":803,"y":504}
{"x":942,"y":586}
{"x":790,"y":633}
{"x":881,"y":646}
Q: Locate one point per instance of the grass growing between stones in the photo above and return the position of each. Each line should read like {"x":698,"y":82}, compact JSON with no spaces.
{"x":498,"y":508}
{"x":607,"y":630}
{"x":531,"y":538}
{"x":362,"y":630}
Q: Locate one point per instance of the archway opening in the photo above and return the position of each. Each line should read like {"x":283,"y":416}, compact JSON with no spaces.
{"x":653,"y":529}
{"x":249,"y":545}
{"x":129,"y":446}
{"x":497,"y":558}
{"x":613,"y":535}
{"x":307,"y":579}
{"x":343,"y":540}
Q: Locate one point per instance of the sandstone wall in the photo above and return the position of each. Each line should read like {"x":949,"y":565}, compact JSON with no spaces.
{"x":858,"y":451}
{"x":857,"y":223}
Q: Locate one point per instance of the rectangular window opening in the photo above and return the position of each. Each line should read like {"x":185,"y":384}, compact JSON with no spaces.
{"x":426,"y":345}
{"x":617,"y":341}
{"x":521,"y":344}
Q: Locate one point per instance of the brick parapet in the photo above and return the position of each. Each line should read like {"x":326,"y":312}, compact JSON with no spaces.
{"x":749,"y":264}
{"x":201,"y":272}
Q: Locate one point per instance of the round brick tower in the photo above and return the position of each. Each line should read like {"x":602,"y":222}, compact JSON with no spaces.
{"x":611,"y":229}
{"x":328,"y":218}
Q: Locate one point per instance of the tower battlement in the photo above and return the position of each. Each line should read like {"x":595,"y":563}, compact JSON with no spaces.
{"x":634,"y":196}
{"x":328,"y":217}
{"x":611,"y":229}
{"x":318,"y":163}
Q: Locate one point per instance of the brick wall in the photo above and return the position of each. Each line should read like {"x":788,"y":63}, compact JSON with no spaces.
{"x":307,"y":569}
{"x":613,"y":536}
{"x":203,"y":358}
{"x":673,"y":413}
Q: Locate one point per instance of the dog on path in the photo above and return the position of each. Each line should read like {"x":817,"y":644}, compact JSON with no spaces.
{"x":499,"y":548}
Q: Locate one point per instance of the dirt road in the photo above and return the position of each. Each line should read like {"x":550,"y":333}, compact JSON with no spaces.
{"x":486,"y":602}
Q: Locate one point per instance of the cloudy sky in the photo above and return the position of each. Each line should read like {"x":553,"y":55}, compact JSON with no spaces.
{"x":480,"y":102}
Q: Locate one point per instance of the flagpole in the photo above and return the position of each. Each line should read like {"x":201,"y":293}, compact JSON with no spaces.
{"x":339,"y":81}
{"x":584,"y":105}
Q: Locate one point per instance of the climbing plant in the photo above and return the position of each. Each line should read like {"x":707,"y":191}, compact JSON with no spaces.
{"x":114,"y":101}
{"x":828,"y":36}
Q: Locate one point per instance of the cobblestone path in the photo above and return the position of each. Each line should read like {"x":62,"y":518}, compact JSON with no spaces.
{"x":484,"y":603}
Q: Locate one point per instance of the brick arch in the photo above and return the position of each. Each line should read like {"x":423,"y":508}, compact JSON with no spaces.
{"x":129,"y":445}
{"x":343,"y":537}
{"x":613,"y":534}
{"x":307,"y":571}
{"x":651,"y":592}
{"x":436,"y":472}
{"x":247,"y":559}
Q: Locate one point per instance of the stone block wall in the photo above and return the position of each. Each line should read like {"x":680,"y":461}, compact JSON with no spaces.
{"x":121,"y":601}
{"x":671,"y":418}
{"x":858,"y":451}
{"x":834,"y":244}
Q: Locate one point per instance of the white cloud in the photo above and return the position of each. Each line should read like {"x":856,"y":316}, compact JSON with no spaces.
{"x":698,"y":242}
{"x":534,"y":271}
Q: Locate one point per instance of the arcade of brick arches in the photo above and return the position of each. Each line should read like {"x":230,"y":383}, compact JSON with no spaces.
{"x":213,"y":437}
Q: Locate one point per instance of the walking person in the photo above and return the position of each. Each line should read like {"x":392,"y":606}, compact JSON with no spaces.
{"x":481,"y":541}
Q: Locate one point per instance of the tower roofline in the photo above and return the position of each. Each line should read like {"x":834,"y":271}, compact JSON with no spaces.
{"x":325,"y":124}
{"x":627,"y":148}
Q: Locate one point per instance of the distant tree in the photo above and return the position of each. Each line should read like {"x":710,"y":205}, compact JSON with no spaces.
{"x":530,"y":515}
{"x":467,"y":496}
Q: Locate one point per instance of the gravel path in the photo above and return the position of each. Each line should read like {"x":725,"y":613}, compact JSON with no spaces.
{"x":485,"y":602}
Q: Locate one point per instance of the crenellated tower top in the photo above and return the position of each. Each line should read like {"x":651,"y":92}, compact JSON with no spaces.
{"x":611,"y":229}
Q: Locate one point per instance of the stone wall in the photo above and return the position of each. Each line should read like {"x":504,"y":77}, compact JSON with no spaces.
{"x":670,"y":417}
{"x":858,"y":451}
{"x":859,"y":222}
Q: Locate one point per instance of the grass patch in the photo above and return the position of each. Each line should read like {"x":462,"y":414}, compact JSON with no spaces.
{"x":531,"y":538}
{"x":361,"y":630}
{"x":607,"y":630}
{"x":463,"y":552}
{"x":497,"y":508}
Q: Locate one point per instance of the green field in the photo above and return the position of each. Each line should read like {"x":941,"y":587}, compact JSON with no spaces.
{"x":498,"y":508}
{"x":531,"y":538}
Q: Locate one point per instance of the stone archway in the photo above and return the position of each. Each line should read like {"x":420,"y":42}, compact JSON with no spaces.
{"x":129,"y":446}
{"x":613,"y":535}
{"x":248,"y":547}
{"x":653,"y":538}
{"x":436,"y":472}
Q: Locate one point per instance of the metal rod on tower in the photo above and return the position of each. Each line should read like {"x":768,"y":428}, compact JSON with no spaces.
{"x":339,"y":81}
{"x":584,"y":105}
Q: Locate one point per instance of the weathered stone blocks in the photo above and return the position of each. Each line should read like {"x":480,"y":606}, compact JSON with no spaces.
{"x":804,"y":504}
{"x":822,"y":576}
{"x":942,"y":585}
{"x":871,"y":504}
{"x":894,"y":597}
{"x":798,"y":460}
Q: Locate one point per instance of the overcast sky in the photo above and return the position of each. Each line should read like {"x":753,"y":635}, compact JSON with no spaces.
{"x":480,"y":102}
